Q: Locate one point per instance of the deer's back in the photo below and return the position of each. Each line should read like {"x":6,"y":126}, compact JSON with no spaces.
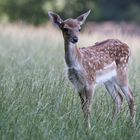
{"x":102,"y":54}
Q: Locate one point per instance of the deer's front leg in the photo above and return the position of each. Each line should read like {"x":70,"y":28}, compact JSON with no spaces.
{"x":86,"y":101}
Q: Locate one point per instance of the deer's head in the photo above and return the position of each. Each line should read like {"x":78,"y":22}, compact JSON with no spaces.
{"x":70,"y":27}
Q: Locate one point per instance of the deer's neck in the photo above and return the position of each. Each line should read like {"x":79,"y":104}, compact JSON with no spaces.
{"x":72,"y":55}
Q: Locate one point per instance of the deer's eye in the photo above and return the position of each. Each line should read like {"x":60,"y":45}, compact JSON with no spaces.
{"x":65,"y":29}
{"x":79,"y":30}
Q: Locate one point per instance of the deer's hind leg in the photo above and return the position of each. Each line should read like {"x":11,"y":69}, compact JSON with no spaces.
{"x":116,"y":96}
{"x":86,"y":95}
{"x":124,"y":86}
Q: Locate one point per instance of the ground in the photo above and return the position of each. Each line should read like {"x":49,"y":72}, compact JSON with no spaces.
{"x":37,"y":102}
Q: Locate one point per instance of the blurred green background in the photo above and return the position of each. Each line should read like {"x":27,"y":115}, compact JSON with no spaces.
{"x":35,"y":11}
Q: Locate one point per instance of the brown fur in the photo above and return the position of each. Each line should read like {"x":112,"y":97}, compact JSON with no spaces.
{"x":96,"y":57}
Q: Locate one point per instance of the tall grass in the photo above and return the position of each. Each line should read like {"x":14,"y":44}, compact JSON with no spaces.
{"x":37,"y":102}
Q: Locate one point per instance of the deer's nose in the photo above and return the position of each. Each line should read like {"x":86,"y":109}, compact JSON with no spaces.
{"x":74,"y":39}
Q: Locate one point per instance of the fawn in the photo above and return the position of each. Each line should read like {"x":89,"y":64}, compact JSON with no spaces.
{"x":105,"y":62}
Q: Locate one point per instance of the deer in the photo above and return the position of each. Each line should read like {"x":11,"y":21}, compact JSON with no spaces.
{"x":103,"y":63}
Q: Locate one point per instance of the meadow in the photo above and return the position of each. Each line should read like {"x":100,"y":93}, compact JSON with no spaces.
{"x":37,"y":102}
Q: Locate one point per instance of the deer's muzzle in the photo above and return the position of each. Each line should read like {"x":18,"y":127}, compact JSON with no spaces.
{"x":74,"y":39}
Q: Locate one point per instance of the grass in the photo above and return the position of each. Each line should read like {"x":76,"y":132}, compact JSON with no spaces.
{"x":37,"y":102}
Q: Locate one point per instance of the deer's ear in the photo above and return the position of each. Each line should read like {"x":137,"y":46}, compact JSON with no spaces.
{"x":81,"y":19}
{"x":55,"y":18}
